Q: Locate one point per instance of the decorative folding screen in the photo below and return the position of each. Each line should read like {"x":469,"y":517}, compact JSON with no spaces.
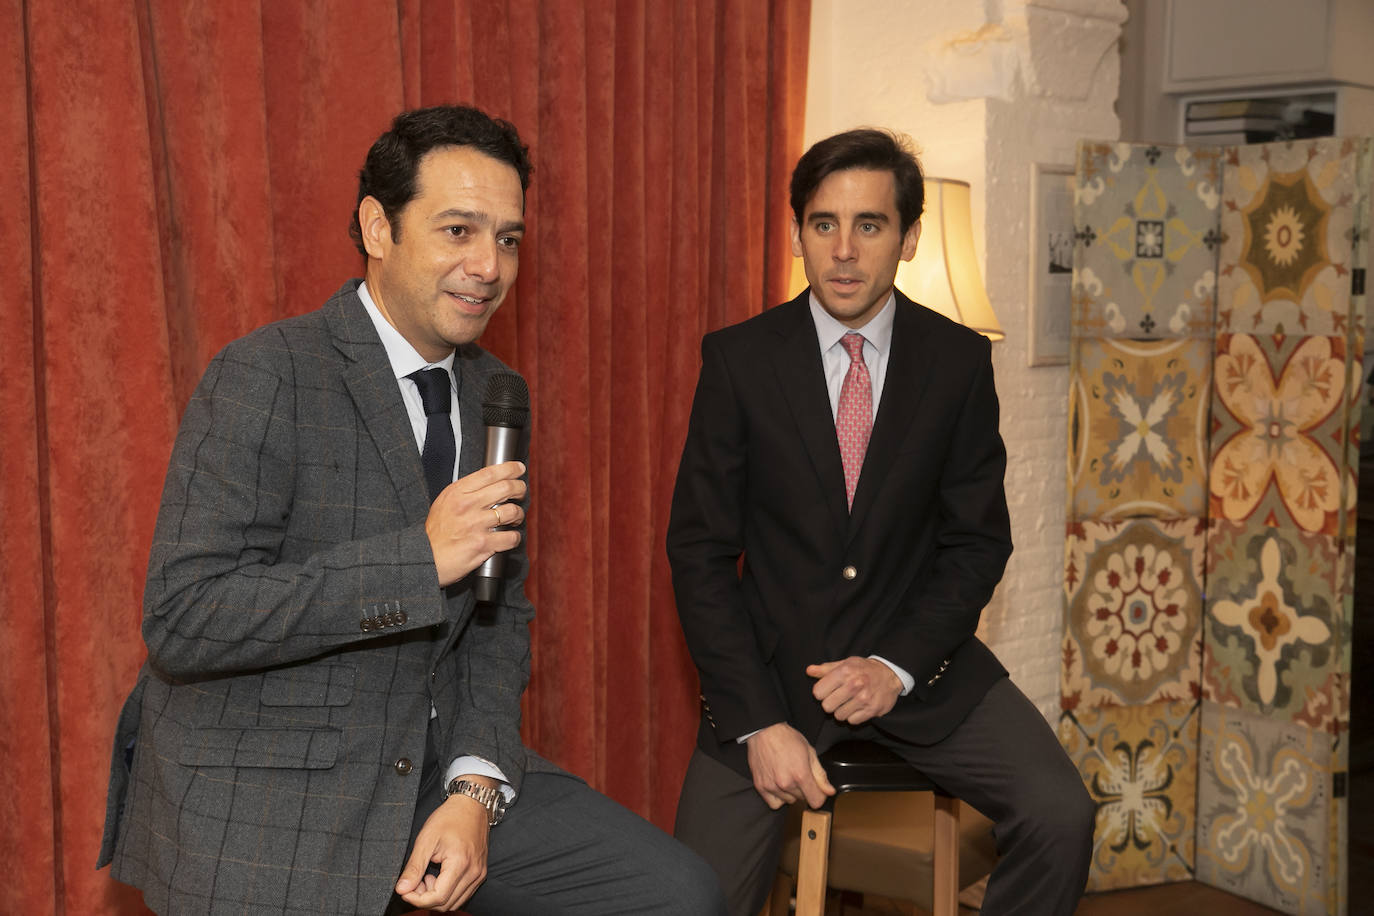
{"x":1218,"y":326}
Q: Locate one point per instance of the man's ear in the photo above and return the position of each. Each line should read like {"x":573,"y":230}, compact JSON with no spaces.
{"x":375,"y":227}
{"x":796,"y":238}
{"x":913,"y":235}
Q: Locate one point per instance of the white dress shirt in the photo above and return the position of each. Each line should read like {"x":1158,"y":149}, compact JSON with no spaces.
{"x":877,"y":336}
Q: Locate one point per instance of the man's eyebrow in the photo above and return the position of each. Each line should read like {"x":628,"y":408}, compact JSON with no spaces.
{"x":866,"y":216}
{"x":471,"y":216}
{"x":478,"y":217}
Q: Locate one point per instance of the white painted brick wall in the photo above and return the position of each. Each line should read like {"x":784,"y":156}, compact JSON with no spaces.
{"x":867,"y":67}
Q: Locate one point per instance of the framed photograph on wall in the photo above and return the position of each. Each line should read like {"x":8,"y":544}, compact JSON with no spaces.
{"x":1051,"y":264}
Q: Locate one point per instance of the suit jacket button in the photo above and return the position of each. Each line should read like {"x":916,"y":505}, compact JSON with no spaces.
{"x":849,"y":572}
{"x":403,"y":766}
{"x":365,"y":624}
{"x":400,"y":618}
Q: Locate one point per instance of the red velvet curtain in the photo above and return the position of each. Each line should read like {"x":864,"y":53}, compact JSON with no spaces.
{"x":182,"y":171}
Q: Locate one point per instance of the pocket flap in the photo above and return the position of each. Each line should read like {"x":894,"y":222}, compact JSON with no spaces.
{"x":289,"y":748}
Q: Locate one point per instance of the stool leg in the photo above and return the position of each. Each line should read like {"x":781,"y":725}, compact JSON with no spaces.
{"x":946,"y":856}
{"x":812,"y":863}
{"x":779,"y":902}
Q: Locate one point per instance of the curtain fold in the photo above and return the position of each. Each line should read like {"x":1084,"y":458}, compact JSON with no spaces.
{"x":182,"y":171}
{"x":26,"y":743}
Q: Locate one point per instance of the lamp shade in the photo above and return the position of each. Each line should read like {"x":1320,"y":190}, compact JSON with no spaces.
{"x":944,"y":274}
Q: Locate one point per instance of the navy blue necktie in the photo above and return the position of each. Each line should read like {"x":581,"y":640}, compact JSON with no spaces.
{"x":439,"y":452}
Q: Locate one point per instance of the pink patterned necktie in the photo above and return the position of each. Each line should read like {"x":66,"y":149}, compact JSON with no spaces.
{"x":854,"y":419}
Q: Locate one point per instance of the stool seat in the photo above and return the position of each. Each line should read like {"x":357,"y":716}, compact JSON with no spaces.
{"x":863,"y":766}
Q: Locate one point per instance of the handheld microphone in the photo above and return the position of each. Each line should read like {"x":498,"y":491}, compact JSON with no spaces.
{"x":506,"y":413}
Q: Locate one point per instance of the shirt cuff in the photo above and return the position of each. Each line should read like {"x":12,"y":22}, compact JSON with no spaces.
{"x":907,"y":680}
{"x":476,"y":766}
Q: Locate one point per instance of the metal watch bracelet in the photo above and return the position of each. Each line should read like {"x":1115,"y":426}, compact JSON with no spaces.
{"x":494,"y":800}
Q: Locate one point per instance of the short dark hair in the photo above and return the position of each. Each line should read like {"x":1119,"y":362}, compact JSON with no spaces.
{"x":863,"y":148}
{"x":392,"y":163}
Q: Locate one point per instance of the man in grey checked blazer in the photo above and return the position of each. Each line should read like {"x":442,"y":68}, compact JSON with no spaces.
{"x":327,"y":721}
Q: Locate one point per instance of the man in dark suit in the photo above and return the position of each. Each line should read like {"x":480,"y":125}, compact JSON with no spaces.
{"x":328,"y":722}
{"x":845,"y":444}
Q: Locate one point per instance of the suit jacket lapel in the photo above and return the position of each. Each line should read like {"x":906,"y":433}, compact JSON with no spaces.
{"x":802,"y":379}
{"x":903,"y":386}
{"x":372,"y":384}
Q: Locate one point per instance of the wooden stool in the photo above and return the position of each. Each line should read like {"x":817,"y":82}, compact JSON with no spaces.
{"x":861,"y":766}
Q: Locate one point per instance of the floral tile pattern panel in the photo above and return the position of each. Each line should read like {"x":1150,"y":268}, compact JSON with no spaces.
{"x":1291,"y":218}
{"x":1138,"y":428}
{"x":1145,"y":240}
{"x":1266,"y":811}
{"x":1277,"y":631}
{"x":1280,"y":432}
{"x":1140,"y":765}
{"x":1134,"y":598}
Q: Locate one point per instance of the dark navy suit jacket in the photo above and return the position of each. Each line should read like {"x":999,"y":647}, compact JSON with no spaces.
{"x":905,"y":575}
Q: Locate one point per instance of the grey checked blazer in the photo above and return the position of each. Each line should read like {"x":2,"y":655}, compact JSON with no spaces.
{"x":297,"y":635}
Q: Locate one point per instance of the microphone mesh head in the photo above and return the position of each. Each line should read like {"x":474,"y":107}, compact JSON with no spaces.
{"x":508,"y":401}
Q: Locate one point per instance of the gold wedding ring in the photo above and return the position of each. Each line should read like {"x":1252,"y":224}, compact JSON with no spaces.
{"x":497,"y":510}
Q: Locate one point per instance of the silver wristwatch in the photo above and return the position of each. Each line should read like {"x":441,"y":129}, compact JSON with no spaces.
{"x":494,"y":800}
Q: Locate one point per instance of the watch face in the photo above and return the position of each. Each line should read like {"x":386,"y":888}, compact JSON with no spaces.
{"x":497,"y":806}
